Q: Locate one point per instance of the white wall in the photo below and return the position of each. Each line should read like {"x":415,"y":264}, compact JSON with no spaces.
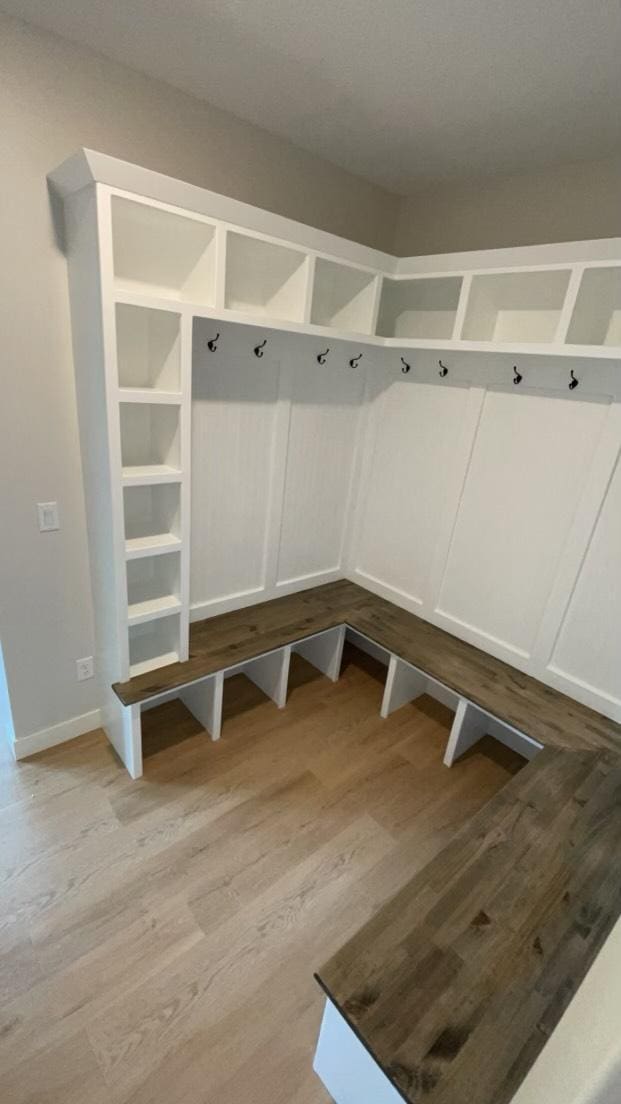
{"x":54,"y":98}
{"x":495,"y":512}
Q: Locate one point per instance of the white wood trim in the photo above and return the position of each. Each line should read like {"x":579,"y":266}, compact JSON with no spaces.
{"x":45,"y":738}
{"x":403,"y":684}
{"x":204,"y":700}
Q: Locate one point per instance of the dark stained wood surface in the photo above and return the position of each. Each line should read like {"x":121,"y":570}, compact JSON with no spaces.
{"x":456,"y":984}
{"x":532,"y":707}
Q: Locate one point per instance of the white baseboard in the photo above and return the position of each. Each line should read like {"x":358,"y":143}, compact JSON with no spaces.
{"x":57,"y":734}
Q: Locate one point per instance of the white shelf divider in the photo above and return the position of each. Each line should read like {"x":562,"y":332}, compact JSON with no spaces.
{"x":157,"y":545}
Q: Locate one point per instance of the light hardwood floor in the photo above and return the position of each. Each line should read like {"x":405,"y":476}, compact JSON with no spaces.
{"x":158,"y":938}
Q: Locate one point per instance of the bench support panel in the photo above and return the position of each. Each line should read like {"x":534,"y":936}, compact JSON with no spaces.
{"x":324,"y":651}
{"x":403,"y":685}
{"x":271,"y":674}
{"x":204,"y":700}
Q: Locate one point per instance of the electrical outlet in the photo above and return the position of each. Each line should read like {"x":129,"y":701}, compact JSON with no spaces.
{"x":84,"y":668}
{"x":48,"y":516}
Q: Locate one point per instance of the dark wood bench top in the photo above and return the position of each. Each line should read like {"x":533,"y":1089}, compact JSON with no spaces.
{"x":538,"y":710}
{"x":457,"y":983}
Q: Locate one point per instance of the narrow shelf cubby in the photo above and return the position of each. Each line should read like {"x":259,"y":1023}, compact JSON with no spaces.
{"x":153,"y":644}
{"x":420,"y":308}
{"x":515,"y":306}
{"x":153,"y":587}
{"x":265,"y":279}
{"x":152,"y":519}
{"x":162,"y":252}
{"x":343,"y":297}
{"x":147,"y":349}
{"x":149,"y":441}
{"x":596,"y":319}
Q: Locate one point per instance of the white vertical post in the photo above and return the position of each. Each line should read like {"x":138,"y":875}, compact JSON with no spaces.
{"x":468,"y":727}
{"x":271,"y":674}
{"x":204,"y":700}
{"x":403,"y":684}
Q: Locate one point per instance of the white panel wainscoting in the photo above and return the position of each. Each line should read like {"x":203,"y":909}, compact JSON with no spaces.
{"x":531,"y":456}
{"x":588,"y":646}
{"x":325,"y":403}
{"x":418,"y":434}
{"x":234,"y":422}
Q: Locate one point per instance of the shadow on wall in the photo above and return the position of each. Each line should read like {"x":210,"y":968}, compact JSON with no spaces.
{"x":7,"y":731}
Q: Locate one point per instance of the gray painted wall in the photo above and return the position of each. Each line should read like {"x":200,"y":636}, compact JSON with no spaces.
{"x":564,"y":203}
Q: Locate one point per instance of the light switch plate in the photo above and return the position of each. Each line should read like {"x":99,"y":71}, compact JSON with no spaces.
{"x":48,"y":516}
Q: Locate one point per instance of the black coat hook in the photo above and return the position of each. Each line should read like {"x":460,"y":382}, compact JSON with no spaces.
{"x":321,"y":357}
{"x":354,"y":361}
{"x":443,"y":369}
{"x":258,"y":349}
{"x":212,"y":344}
{"x":517,"y":378}
{"x":573,"y":381}
{"x":406,"y":366}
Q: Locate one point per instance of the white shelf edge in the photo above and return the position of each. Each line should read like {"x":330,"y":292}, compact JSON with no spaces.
{"x":149,"y":474}
{"x":153,"y":608}
{"x":158,"y":545}
{"x":154,"y":664}
{"x":149,"y":395}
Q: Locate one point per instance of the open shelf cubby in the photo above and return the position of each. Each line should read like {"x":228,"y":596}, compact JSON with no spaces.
{"x":149,"y":438}
{"x":596,"y":319}
{"x":515,"y":306}
{"x":152,"y":519}
{"x":153,"y":644}
{"x":153,"y":587}
{"x":162,"y":252}
{"x":343,"y":297}
{"x":421,"y":308}
{"x":147,"y":348}
{"x":265,"y":279}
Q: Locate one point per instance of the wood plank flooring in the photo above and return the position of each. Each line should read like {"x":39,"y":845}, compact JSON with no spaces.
{"x":158,"y":938}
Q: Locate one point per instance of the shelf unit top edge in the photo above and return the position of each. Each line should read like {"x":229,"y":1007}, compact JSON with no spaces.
{"x":91,"y":167}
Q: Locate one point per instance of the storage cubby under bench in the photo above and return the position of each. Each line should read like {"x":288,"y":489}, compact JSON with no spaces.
{"x":453,"y":988}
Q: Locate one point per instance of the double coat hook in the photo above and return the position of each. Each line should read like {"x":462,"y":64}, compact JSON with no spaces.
{"x":258,"y":349}
{"x":354,"y":361}
{"x":406,"y":367}
{"x":443,"y":369}
{"x":322,"y":357}
{"x":517,"y":378}
{"x":212,"y":344}
{"x":573,"y":382}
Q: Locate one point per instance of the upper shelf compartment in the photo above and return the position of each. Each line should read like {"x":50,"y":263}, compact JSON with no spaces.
{"x":265,"y":279}
{"x":515,"y":306}
{"x":420,"y":308}
{"x":597,"y":315}
{"x":343,"y":297}
{"x":162,"y":252}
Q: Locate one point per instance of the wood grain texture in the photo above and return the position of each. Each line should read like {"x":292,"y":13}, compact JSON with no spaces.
{"x":158,"y":937}
{"x":525,"y":703}
{"x":457,"y":983}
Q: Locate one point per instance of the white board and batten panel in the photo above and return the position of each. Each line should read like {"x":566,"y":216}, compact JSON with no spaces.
{"x":525,"y":477}
{"x":273,"y":448}
{"x":416,"y":436}
{"x":324,"y":412}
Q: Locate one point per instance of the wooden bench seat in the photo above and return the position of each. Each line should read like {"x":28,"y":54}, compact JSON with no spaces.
{"x":457,"y":983}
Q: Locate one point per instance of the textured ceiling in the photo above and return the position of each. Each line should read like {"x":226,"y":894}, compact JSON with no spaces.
{"x":400,"y":92}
